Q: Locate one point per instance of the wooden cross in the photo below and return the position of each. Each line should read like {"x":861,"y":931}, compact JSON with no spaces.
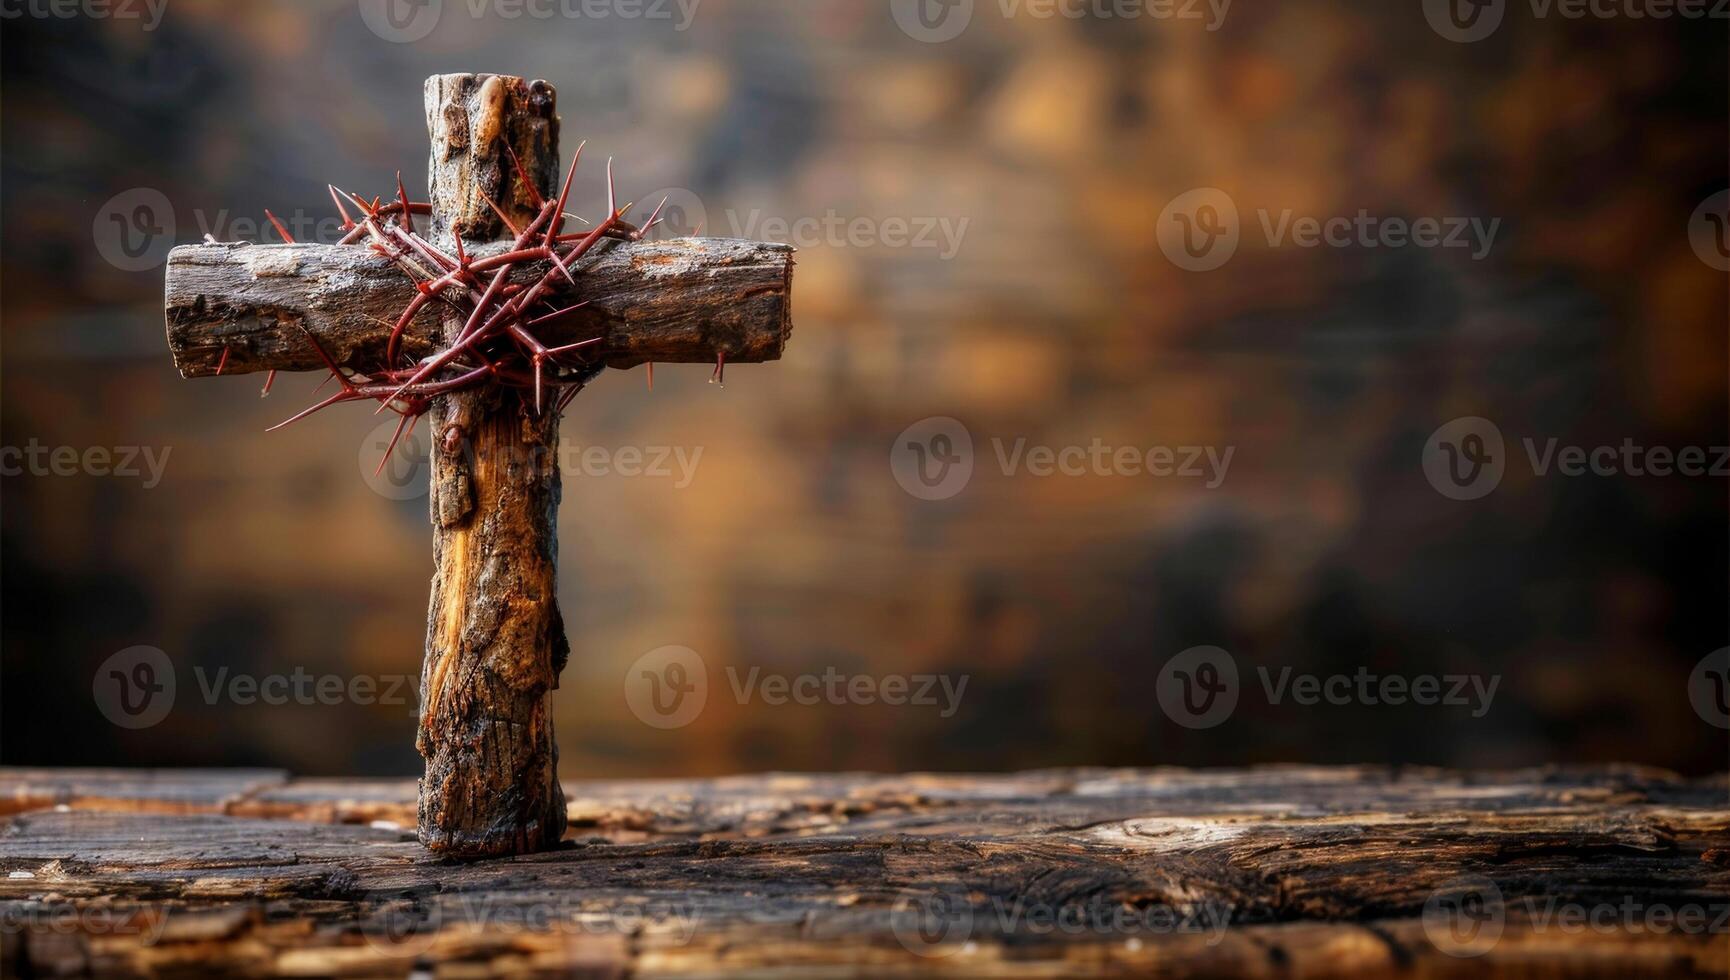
{"x":495,"y":641}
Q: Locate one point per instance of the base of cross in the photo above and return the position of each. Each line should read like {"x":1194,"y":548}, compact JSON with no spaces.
{"x":1273,"y":872}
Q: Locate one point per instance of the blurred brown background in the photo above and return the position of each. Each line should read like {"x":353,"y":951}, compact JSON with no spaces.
{"x":1057,"y":319}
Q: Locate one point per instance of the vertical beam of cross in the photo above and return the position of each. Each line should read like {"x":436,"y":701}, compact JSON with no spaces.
{"x":495,"y":640}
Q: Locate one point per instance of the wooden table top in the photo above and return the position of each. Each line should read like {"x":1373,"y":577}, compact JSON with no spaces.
{"x":1278,"y":871}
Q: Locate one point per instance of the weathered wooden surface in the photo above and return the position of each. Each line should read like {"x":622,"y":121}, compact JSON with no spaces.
{"x":680,"y":300}
{"x":1275,"y":872}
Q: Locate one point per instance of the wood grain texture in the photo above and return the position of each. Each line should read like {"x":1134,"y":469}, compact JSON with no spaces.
{"x":495,"y":641}
{"x":680,"y":300}
{"x":1271,"y":872}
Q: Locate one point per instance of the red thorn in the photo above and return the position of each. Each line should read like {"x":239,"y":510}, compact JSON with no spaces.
{"x":558,"y":221}
{"x":720,"y":375}
{"x":280,"y":230}
{"x":581,"y":343}
{"x":269,"y":380}
{"x":392,"y":447}
{"x":336,"y":198}
{"x":332,"y":400}
{"x":654,"y":216}
{"x":565,"y":399}
{"x":222,"y":363}
{"x":651,"y":375}
{"x":523,"y":175}
{"x":371,"y":210}
{"x":612,"y":199}
{"x":556,"y":314}
{"x":329,"y":361}
{"x":406,"y":218}
{"x":518,"y":232}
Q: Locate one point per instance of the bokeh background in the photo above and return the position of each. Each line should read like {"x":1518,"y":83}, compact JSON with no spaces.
{"x":1058,"y":319}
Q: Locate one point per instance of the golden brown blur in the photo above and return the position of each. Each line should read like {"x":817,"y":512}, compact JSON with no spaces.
{"x":1082,"y":244}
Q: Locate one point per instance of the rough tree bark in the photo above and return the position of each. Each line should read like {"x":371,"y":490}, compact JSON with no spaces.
{"x":495,"y":640}
{"x":669,"y":301}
